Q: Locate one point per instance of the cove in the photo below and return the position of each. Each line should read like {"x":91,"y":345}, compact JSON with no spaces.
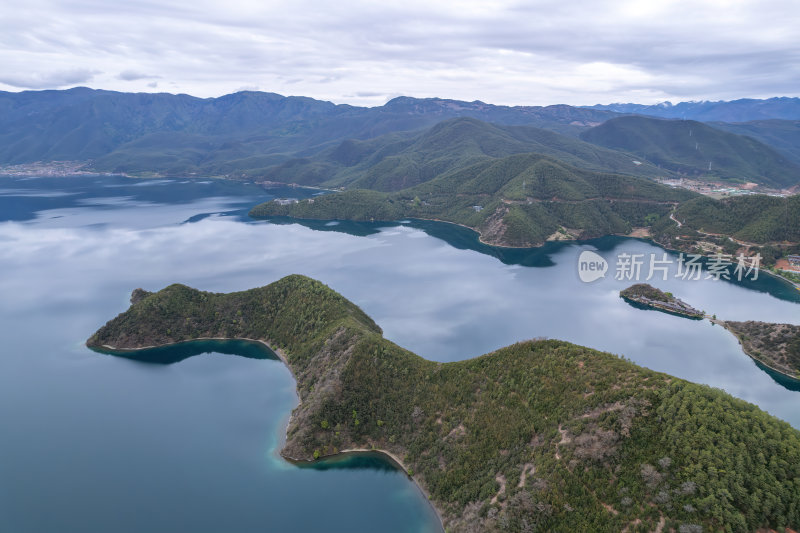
{"x":372,"y":461}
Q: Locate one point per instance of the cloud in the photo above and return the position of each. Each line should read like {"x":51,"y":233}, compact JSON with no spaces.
{"x":354,"y":51}
{"x":47,"y":80}
{"x":132,"y":75}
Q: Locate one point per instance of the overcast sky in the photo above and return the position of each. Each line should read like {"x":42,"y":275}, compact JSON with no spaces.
{"x":364,"y":53}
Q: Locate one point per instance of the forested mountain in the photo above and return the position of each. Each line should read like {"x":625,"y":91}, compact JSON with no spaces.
{"x":782,"y":135}
{"x":240,"y":133}
{"x":743,"y":110}
{"x":758,"y":218}
{"x":696,"y":149}
{"x":401,"y":160}
{"x":519,"y":200}
{"x":542,"y":435}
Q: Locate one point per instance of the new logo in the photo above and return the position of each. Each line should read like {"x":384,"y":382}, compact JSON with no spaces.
{"x":591,"y":266}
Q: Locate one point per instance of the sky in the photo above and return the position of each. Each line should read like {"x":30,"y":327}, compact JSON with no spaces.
{"x":539,"y":52}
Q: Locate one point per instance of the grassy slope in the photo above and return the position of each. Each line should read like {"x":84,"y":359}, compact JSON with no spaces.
{"x":688,"y":147}
{"x":525,"y":199}
{"x":539,"y":435}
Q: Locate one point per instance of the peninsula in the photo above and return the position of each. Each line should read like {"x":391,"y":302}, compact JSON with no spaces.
{"x":774,"y":345}
{"x":525,"y":200}
{"x":649,"y":296}
{"x":540,"y":435}
{"x":521,"y":200}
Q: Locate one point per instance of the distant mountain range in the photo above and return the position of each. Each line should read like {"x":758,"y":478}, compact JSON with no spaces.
{"x":240,"y":131}
{"x":407,"y":141}
{"x":744,"y":110}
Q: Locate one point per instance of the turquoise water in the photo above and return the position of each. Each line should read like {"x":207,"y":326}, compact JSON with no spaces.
{"x":188,"y":441}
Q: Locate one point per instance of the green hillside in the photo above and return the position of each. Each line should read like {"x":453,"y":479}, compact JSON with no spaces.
{"x":401,"y":160}
{"x":696,"y":149}
{"x":782,"y":135}
{"x":541,"y":435}
{"x":520,"y":200}
{"x":757,"y":218}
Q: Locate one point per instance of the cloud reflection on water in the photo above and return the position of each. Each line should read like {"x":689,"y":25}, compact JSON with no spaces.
{"x":442,"y":302}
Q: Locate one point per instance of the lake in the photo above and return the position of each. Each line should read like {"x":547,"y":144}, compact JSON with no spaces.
{"x":97,"y":443}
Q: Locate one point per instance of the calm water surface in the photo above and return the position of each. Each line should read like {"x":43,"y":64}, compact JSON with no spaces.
{"x":93,"y":442}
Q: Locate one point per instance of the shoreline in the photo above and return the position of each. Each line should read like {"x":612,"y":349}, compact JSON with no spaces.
{"x":387,"y":455}
{"x":480,"y":235}
{"x":779,"y":276}
{"x":751,"y":356}
{"x":87,"y":174}
{"x":649,"y":239}
{"x":156,"y":176}
{"x":276,"y":351}
{"x":282,"y":356}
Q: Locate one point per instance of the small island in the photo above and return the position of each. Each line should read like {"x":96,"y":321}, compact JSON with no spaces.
{"x":776,"y":346}
{"x":542,"y":435}
{"x":651,"y":297}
